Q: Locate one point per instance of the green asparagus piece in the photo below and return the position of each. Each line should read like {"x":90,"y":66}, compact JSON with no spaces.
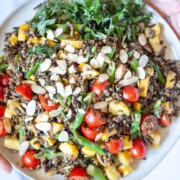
{"x":111,"y":54}
{"x":111,"y":71}
{"x":134,"y":65}
{"x":3,"y":66}
{"x":95,"y":172}
{"x":157,"y":108}
{"x":93,"y":49}
{"x":159,"y":73}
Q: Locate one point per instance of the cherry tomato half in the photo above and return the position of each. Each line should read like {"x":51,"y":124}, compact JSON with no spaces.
{"x":5,"y":80}
{"x":164,"y":120}
{"x":114,"y":146}
{"x":2,"y":129}
{"x":94,"y":118}
{"x":25,"y":91}
{"x":29,"y":160}
{"x":130,"y":94}
{"x":90,"y":133}
{"x":44,"y":104}
{"x":1,"y":94}
{"x":2,"y":110}
{"x":78,"y":174}
{"x":149,"y":124}
{"x":98,"y":87}
{"x":139,"y":149}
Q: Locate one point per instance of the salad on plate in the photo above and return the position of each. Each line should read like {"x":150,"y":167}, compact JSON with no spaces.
{"x":85,"y":88}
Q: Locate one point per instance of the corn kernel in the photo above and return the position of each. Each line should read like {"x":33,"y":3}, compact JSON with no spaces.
{"x":88,"y":152}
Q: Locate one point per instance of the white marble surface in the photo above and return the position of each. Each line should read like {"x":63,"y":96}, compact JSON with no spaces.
{"x":168,"y":169}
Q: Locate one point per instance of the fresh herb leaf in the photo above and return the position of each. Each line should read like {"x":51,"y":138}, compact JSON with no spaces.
{"x":135,"y":129}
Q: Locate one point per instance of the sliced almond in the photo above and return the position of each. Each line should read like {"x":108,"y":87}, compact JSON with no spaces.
{"x":101,"y":59}
{"x":130,"y":81}
{"x":94,"y":63}
{"x":142,"y":39}
{"x":120,"y":71}
{"x":43,"y":117}
{"x":71,"y":69}
{"x":69,"y":48}
{"x":63,"y":56}
{"x":68,"y":90}
{"x":28,"y":119}
{"x":58,"y":32}
{"x":90,"y":74}
{"x":100,"y":105}
{"x":77,"y":91}
{"x":51,"y":89}
{"x":45,"y":65}
{"x":72,"y":81}
{"x":63,"y":136}
{"x":141,"y":73}
{"x":42,"y":81}
{"x":50,"y":35}
{"x":54,"y":77}
{"x":82,"y":59}
{"x":103,"y":77}
{"x":57,"y":70}
{"x":62,"y":64}
{"x":31,"y":108}
{"x":123,"y":56}
{"x":38,"y":89}
{"x":72,"y":57}
{"x":98,"y":137}
{"x":137,"y":54}
{"x":143,"y":61}
{"x":7,"y":125}
{"x":106,"y":49}
{"x":81,"y":111}
{"x":54,"y":113}
{"x":43,"y":126}
{"x":60,"y":88}
{"x":29,"y":82}
{"x":128,"y":75}
{"x":23,"y":147}
{"x":69,"y":113}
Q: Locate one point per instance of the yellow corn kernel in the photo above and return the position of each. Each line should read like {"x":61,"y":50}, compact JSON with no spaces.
{"x":156,"y":139}
{"x":42,"y":39}
{"x":125,"y":170}
{"x":125,"y":158}
{"x":170,"y":80}
{"x":50,"y":43}
{"x":34,"y":40}
{"x":118,"y":108}
{"x":112,"y":172}
{"x":127,"y":143}
{"x":76,"y":43}
{"x":56,"y":127}
{"x":50,"y":141}
{"x":35,"y":144}
{"x":157,"y":29}
{"x":22,"y":35}
{"x":13,"y":39}
{"x":24,"y":27}
{"x":143,"y":86}
{"x":69,"y":149}
{"x":88,"y":152}
{"x":167,"y":107}
{"x":137,"y":106}
{"x":33,"y":78}
{"x":107,"y":134}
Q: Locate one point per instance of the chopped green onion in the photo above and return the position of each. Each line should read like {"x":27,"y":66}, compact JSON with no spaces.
{"x":3,"y":66}
{"x":111,"y":72}
{"x":134,"y":65}
{"x":111,"y":54}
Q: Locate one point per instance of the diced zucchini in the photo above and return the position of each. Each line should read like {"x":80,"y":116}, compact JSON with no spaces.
{"x":156,"y":139}
{"x":69,"y":149}
{"x":35,"y":144}
{"x":143,"y":86}
{"x":76,"y":43}
{"x":13,"y":39}
{"x":88,"y":152}
{"x":100,"y":159}
{"x":137,"y":106}
{"x":112,"y":172}
{"x":11,"y":142}
{"x":127,"y":143}
{"x":171,"y":79}
{"x":57,"y":127}
{"x":50,"y":141}
{"x":125,"y":158}
{"x":125,"y":170}
{"x":108,"y":133}
{"x":118,"y":108}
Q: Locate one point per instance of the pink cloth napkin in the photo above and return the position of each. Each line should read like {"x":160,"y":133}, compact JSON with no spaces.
{"x":170,"y":10}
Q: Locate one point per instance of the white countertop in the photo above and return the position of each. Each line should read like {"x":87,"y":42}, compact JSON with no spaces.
{"x":169,"y":167}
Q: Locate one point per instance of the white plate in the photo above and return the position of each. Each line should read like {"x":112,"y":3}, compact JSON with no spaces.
{"x":169,"y":136}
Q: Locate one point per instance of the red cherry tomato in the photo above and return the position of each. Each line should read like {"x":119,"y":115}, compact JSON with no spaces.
{"x":25,"y":91}
{"x":149,"y":124}
{"x":90,"y":133}
{"x":98,"y":87}
{"x":2,"y":110}
{"x":139,"y":149}
{"x":2,"y":129}
{"x":44,"y":104}
{"x":114,"y":146}
{"x":5,"y":80}
{"x":29,"y":160}
{"x":94,"y":118}
{"x":78,"y":174}
{"x":1,"y":94}
{"x":130,"y":94}
{"x":164,"y":120}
